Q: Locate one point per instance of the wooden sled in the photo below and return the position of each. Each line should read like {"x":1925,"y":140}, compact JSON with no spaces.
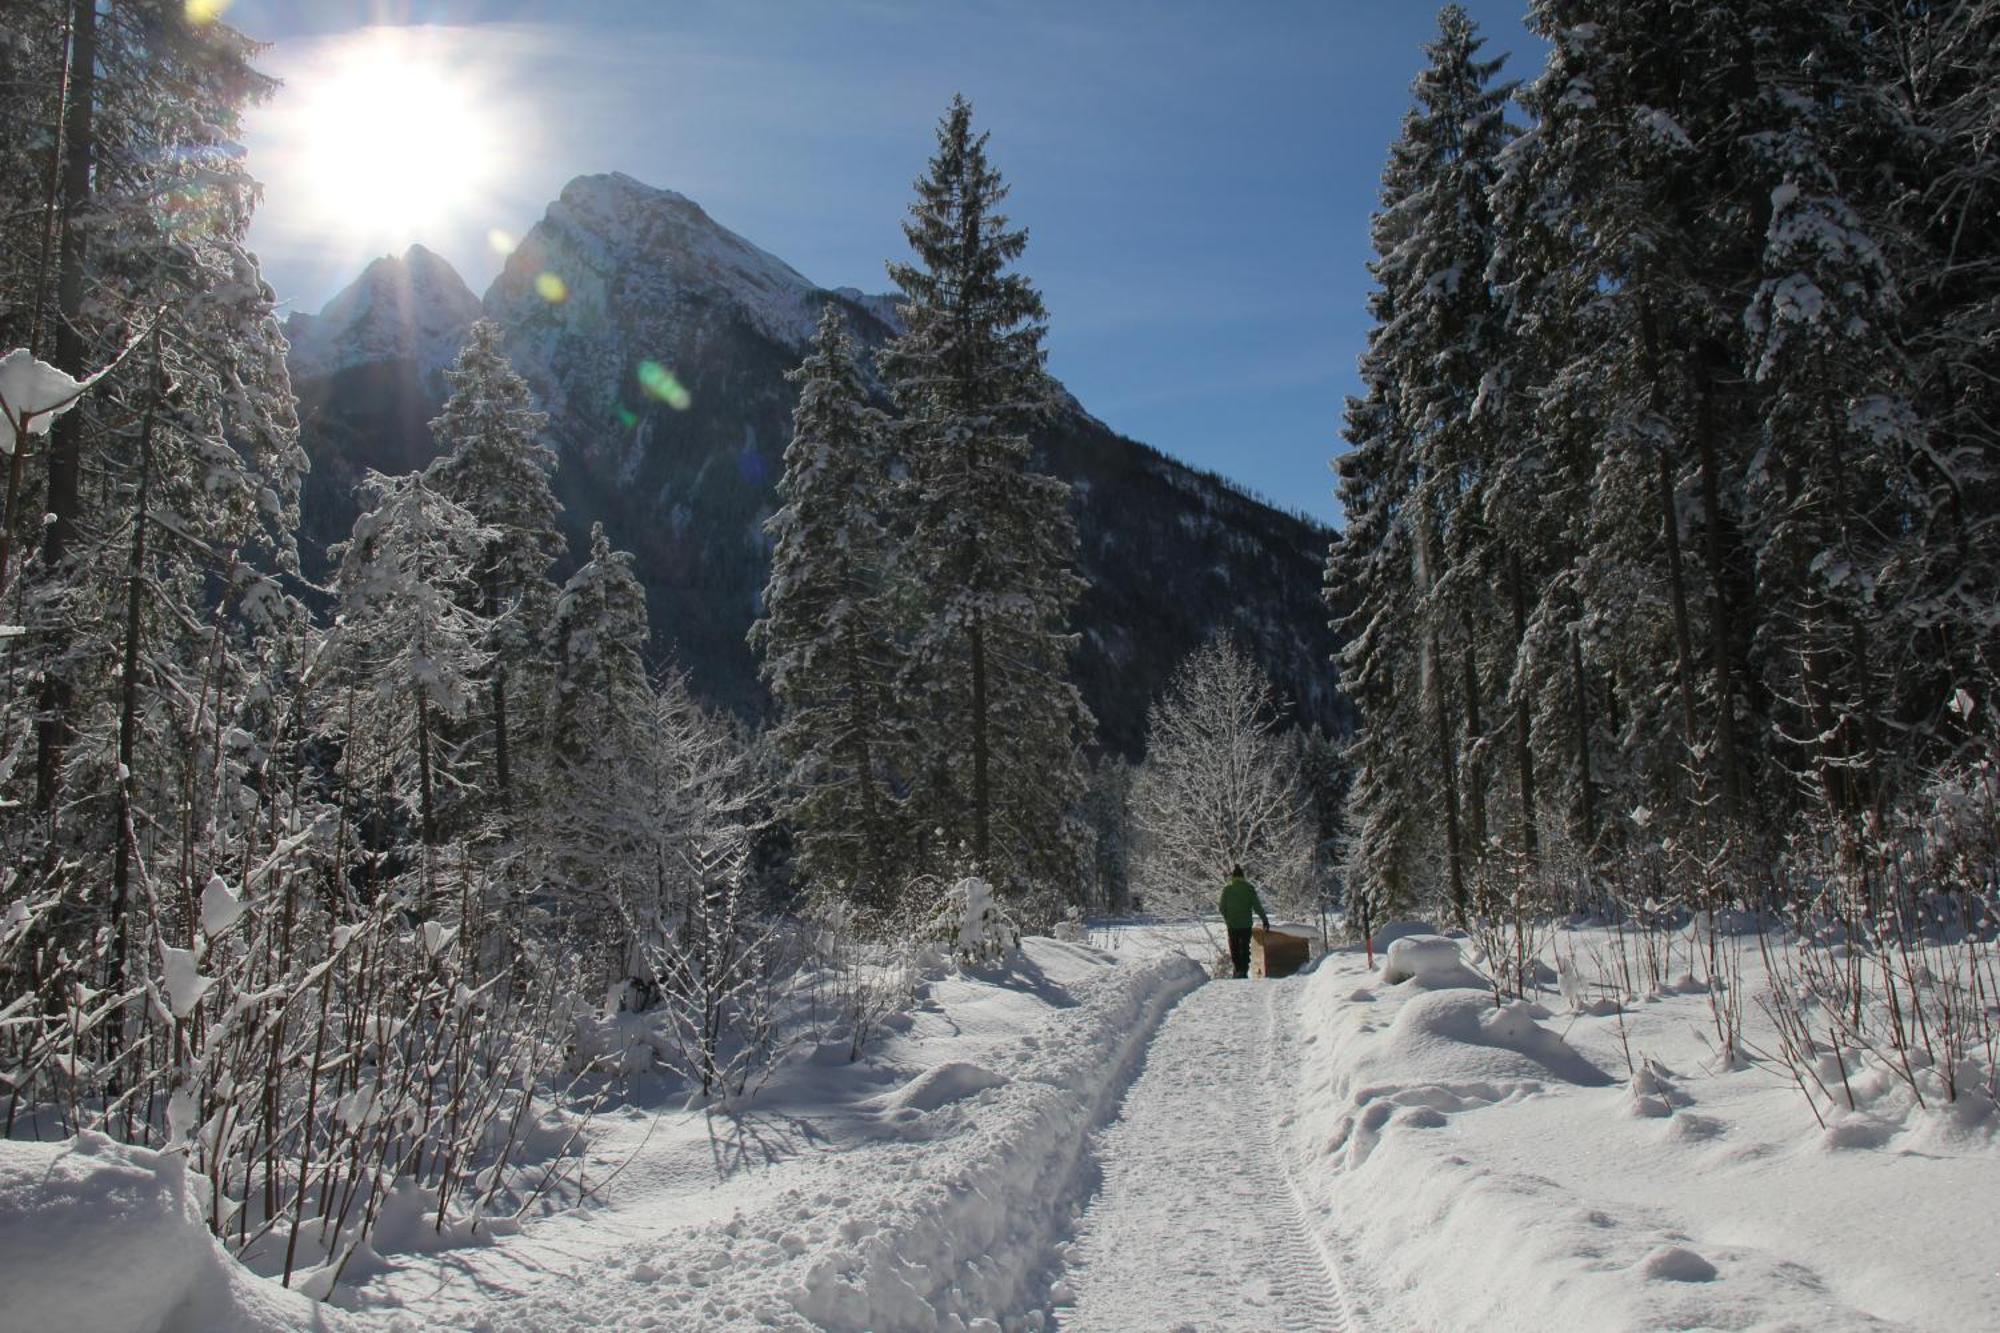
{"x":1275,"y":953}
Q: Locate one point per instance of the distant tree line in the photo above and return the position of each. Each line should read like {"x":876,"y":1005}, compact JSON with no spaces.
{"x":1673,"y":501}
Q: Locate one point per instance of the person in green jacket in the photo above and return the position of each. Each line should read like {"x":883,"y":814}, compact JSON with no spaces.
{"x":1239,"y":903}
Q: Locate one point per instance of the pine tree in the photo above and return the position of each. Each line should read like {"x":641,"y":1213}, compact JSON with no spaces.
{"x":493,"y":464}
{"x":594,"y":824}
{"x":991,"y":539}
{"x":831,"y":653}
{"x":1425,"y":439}
{"x":408,"y":637}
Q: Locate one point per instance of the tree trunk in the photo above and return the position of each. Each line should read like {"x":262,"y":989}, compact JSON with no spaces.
{"x":872,"y":862}
{"x":1721,"y":620}
{"x":128,"y":737}
{"x":982,"y":791}
{"x":502,"y":769}
{"x":1524,"y":755}
{"x":52,"y":195}
{"x":1448,"y":770}
{"x":1670,"y":533}
{"x":426,"y":792}
{"x":1475,"y":768}
{"x":52,"y":731}
{"x":1586,"y":796}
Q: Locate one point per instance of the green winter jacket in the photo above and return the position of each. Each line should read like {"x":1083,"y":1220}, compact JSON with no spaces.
{"x":1240,"y":902}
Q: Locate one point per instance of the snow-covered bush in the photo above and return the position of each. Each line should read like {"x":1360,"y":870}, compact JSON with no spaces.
{"x":971,"y":920}
{"x":863,"y":968}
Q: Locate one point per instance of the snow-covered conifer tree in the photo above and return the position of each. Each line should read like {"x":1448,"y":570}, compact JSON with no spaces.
{"x":594,"y":822}
{"x":409,"y":642}
{"x":142,"y":536}
{"x":991,"y":539}
{"x":1416,"y":570}
{"x":493,"y":464}
{"x":829,"y":637}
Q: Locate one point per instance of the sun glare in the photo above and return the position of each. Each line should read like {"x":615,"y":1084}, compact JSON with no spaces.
{"x":390,"y":140}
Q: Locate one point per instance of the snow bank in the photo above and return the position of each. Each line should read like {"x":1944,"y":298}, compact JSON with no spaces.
{"x":96,"y":1235}
{"x":1431,"y":961}
{"x":923,"y":1186}
{"x":1505,"y":1167}
{"x":971,"y":1229}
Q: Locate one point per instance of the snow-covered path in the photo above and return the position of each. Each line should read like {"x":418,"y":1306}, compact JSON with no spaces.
{"x":1197,"y":1223}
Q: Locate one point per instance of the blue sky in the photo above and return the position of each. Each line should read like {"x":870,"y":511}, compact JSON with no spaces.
{"x":1196,"y":177}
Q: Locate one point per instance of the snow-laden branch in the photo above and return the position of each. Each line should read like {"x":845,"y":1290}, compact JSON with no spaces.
{"x":34,"y":393}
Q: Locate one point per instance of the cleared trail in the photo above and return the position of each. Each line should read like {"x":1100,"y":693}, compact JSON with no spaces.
{"x":1197,"y":1223}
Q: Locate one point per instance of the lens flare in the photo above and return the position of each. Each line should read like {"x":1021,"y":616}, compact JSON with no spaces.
{"x":500,"y":242}
{"x":201,"y":13}
{"x":660,"y":385}
{"x":551,"y":288}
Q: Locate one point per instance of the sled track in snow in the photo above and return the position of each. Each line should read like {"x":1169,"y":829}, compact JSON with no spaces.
{"x":1276,"y":1037}
{"x":1198,"y":1223}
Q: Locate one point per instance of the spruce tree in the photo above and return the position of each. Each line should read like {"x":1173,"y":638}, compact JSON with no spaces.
{"x":408,"y":641}
{"x":990,"y":538}
{"x":143,"y":537}
{"x":492,"y":463}
{"x":1419,"y":565}
{"x":831,"y":654}
{"x":593,"y":822}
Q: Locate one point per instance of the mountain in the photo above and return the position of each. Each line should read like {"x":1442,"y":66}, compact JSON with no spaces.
{"x":658,"y":342}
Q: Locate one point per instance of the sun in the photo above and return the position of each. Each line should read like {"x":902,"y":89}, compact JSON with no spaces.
{"x":389,"y":141}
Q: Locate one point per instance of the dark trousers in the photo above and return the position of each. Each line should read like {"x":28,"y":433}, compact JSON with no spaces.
{"x":1239,"y":950}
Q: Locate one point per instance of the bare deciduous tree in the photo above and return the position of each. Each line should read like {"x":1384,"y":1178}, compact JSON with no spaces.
{"x":1220,"y":786}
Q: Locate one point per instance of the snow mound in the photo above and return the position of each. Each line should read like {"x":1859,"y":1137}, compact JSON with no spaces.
{"x":1396,"y":930}
{"x":940,"y":1085}
{"x":98,"y":1235}
{"x":1431,"y":961}
{"x":1507,"y":1043}
{"x":1675,"y":1263}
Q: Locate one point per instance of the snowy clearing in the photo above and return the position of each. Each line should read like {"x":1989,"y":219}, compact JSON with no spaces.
{"x":1097,"y":1139}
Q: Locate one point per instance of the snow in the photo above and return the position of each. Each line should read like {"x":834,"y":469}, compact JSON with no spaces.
{"x":1090,"y":1134}
{"x":1428,"y":960}
{"x":1605,"y":1169}
{"x":220,"y":907}
{"x":95,"y":1235}
{"x":33,"y":392}
{"x":185,"y":984}
{"x":924,"y":1183}
{"x":1197,"y":1223}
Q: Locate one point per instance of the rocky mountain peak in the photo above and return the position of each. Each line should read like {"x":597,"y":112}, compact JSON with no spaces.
{"x":413,"y":307}
{"x":614,"y":246}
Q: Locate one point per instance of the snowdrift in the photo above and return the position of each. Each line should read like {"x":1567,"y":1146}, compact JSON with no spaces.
{"x":922,"y":1187}
{"x":96,"y":1235}
{"x":1595,"y":1163}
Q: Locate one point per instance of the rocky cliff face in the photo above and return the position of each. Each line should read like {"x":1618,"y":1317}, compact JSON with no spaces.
{"x":658,"y":341}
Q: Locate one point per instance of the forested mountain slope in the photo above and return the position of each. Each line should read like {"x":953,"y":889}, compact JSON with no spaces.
{"x":658,"y":342}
